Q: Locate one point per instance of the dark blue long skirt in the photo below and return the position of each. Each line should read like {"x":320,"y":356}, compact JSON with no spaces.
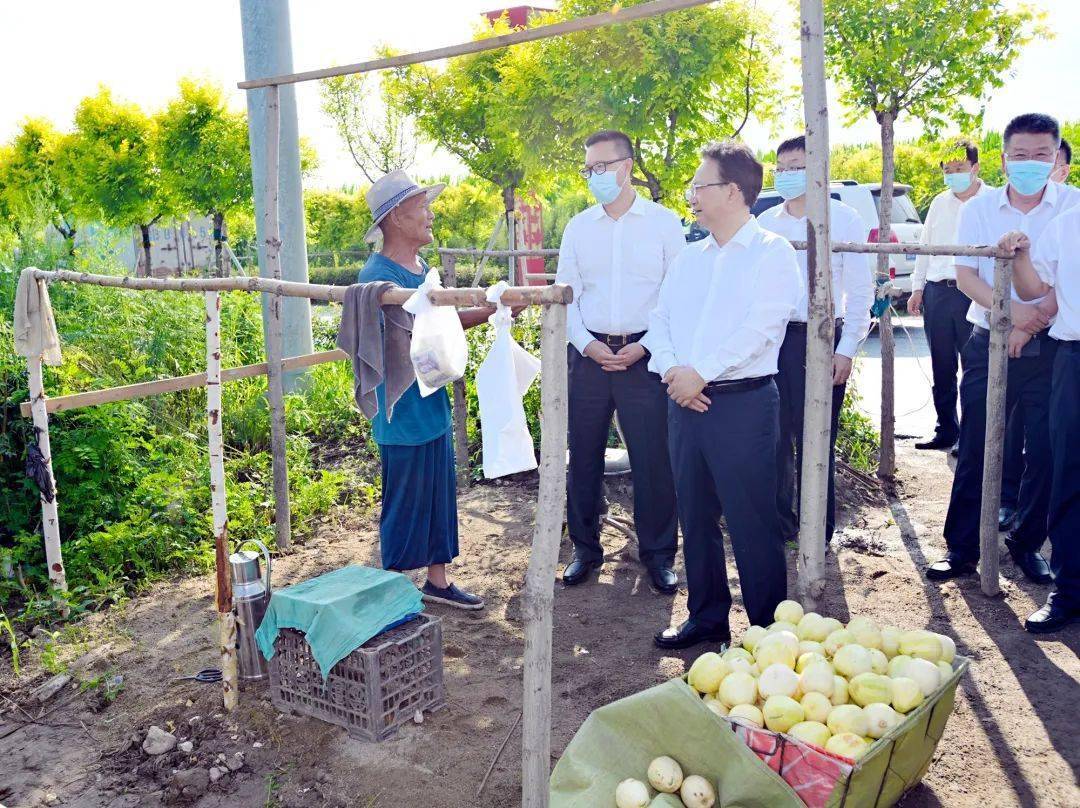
{"x":418,"y":526}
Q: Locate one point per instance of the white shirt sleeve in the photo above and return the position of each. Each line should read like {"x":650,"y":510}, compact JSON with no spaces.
{"x":857,"y":287}
{"x":776,"y":297}
{"x":657,"y":340}
{"x":569,"y":273}
{"x":673,"y":243}
{"x":1045,"y":252}
{"x":968,"y":234}
{"x":922,"y":262}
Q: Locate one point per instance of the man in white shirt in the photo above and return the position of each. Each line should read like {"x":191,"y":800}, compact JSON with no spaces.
{"x":853,"y":293}
{"x":934,"y":292}
{"x":615,"y":255}
{"x":1063,"y":164}
{"x":1028,"y":203}
{"x":715,"y":337}
{"x":1054,"y":265}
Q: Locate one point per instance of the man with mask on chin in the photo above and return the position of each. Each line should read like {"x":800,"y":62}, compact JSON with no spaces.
{"x":615,"y":255}
{"x":1027,"y":204}
{"x":934,"y":293}
{"x":853,"y":293}
{"x":715,"y":336}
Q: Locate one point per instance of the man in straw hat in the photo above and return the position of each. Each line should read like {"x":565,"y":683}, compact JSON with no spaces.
{"x":418,"y":526}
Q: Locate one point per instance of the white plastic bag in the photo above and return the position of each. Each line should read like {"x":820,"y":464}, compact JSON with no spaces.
{"x":438,"y":349}
{"x":502,"y":380}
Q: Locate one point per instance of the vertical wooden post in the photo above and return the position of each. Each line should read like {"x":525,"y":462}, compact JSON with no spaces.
{"x":821,"y":320}
{"x":540,"y":578}
{"x":1000,"y":325}
{"x":511,"y":241}
{"x":887,"y":457}
{"x":223,"y":599}
{"x":50,"y":522}
{"x":274,"y":383}
{"x":461,"y":407}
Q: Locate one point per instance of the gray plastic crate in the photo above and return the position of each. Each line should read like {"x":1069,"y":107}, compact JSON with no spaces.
{"x":372,"y":691}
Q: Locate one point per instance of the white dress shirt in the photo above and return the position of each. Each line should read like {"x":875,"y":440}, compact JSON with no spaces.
{"x":724,"y":310}
{"x":940,"y":228}
{"x":1056,"y":256}
{"x":985,"y":219}
{"x":615,"y":267}
{"x":852,"y":275}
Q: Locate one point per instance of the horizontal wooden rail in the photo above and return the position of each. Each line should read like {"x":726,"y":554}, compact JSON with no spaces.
{"x":513,"y":296}
{"x":474,"y":253}
{"x":893,"y":248}
{"x":622,"y":15}
{"x":127,"y":392}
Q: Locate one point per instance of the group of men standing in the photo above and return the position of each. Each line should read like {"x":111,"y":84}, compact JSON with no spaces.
{"x":700,"y":350}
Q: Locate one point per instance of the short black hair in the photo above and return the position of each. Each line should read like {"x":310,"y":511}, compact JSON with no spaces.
{"x":797,"y":143}
{"x":611,"y":136}
{"x":738,"y":165}
{"x":1065,"y":147}
{"x":1033,"y":123}
{"x":970,"y":150}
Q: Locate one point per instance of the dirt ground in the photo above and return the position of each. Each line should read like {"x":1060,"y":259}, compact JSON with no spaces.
{"x":1011,"y":741}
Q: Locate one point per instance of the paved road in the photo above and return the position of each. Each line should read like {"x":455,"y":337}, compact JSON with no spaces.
{"x":914,"y":402}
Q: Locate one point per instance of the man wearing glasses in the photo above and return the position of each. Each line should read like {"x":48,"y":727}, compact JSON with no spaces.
{"x":715,"y":337}
{"x":615,"y":255}
{"x":853,"y":291}
{"x":1028,"y":203}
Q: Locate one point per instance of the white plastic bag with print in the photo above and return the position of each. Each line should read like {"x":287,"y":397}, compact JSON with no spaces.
{"x":501,"y":382}
{"x":438,"y":349}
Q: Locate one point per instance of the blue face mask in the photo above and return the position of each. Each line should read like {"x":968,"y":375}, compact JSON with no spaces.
{"x":605,"y":187}
{"x":790,"y":184}
{"x":959,"y":183}
{"x":1028,"y":177}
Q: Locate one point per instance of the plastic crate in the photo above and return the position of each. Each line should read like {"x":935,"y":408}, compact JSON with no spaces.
{"x":371,"y":692}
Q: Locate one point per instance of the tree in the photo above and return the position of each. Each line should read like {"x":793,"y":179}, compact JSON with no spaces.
{"x":112,"y":160}
{"x":671,"y":83}
{"x":33,"y":183}
{"x":379,"y":140}
{"x":205,"y":161}
{"x":336,"y":222}
{"x":935,"y":60}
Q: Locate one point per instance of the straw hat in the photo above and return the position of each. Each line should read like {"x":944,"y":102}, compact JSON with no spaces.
{"x":390,"y":191}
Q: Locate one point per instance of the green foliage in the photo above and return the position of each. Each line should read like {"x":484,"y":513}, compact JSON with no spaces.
{"x":205,"y":161}
{"x":857,"y":442}
{"x":334,"y":276}
{"x":13,"y":641}
{"x":671,"y":83}
{"x":336,"y":223}
{"x":465,"y":213}
{"x":32,"y":183}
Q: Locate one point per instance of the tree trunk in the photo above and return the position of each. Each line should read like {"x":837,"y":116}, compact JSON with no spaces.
{"x":814,"y":457}
{"x":887,"y":461}
{"x":510,"y":205}
{"x":145,"y":230}
{"x":219,"y":237}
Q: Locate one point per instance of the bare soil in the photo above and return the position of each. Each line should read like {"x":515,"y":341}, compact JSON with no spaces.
{"x":1012,"y":739}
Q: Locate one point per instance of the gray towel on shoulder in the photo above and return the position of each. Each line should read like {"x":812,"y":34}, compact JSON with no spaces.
{"x":378,"y":347}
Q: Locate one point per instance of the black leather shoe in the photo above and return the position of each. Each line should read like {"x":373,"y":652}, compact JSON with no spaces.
{"x":1051,"y":617}
{"x":948,"y":569}
{"x":937,"y":442}
{"x":690,"y":634}
{"x":1033,"y":565}
{"x":1006,"y":518}
{"x":578,"y":571}
{"x":664,"y":580}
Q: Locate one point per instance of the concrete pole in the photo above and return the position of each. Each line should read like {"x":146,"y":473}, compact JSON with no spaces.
{"x":268,"y":52}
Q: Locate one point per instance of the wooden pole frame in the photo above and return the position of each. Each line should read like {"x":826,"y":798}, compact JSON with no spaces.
{"x":461,"y":407}
{"x":275,"y":385}
{"x":50,"y":521}
{"x":820,"y":331}
{"x":589,"y":23}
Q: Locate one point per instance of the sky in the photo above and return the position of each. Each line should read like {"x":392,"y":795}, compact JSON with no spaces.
{"x":55,"y":52}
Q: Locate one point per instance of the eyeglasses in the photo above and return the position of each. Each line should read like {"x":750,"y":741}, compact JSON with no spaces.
{"x":1042,"y":156}
{"x":599,"y":168}
{"x":692,"y":191}
{"x":789,"y":169}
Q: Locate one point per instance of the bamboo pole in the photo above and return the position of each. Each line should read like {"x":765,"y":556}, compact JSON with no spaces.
{"x":216,"y":444}
{"x":500,"y":223}
{"x":461,"y":410}
{"x":514,"y":296}
{"x":540,"y":578}
{"x":602,"y":20}
{"x":1000,"y":325}
{"x":175,"y":384}
{"x":50,"y":522}
{"x":275,"y":392}
{"x":820,"y":330}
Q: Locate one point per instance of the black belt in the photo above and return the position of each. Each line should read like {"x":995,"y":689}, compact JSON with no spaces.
{"x":799,"y":325}
{"x":950,"y":284}
{"x":736,"y":385}
{"x":618,"y":340}
{"x":985,"y":332}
